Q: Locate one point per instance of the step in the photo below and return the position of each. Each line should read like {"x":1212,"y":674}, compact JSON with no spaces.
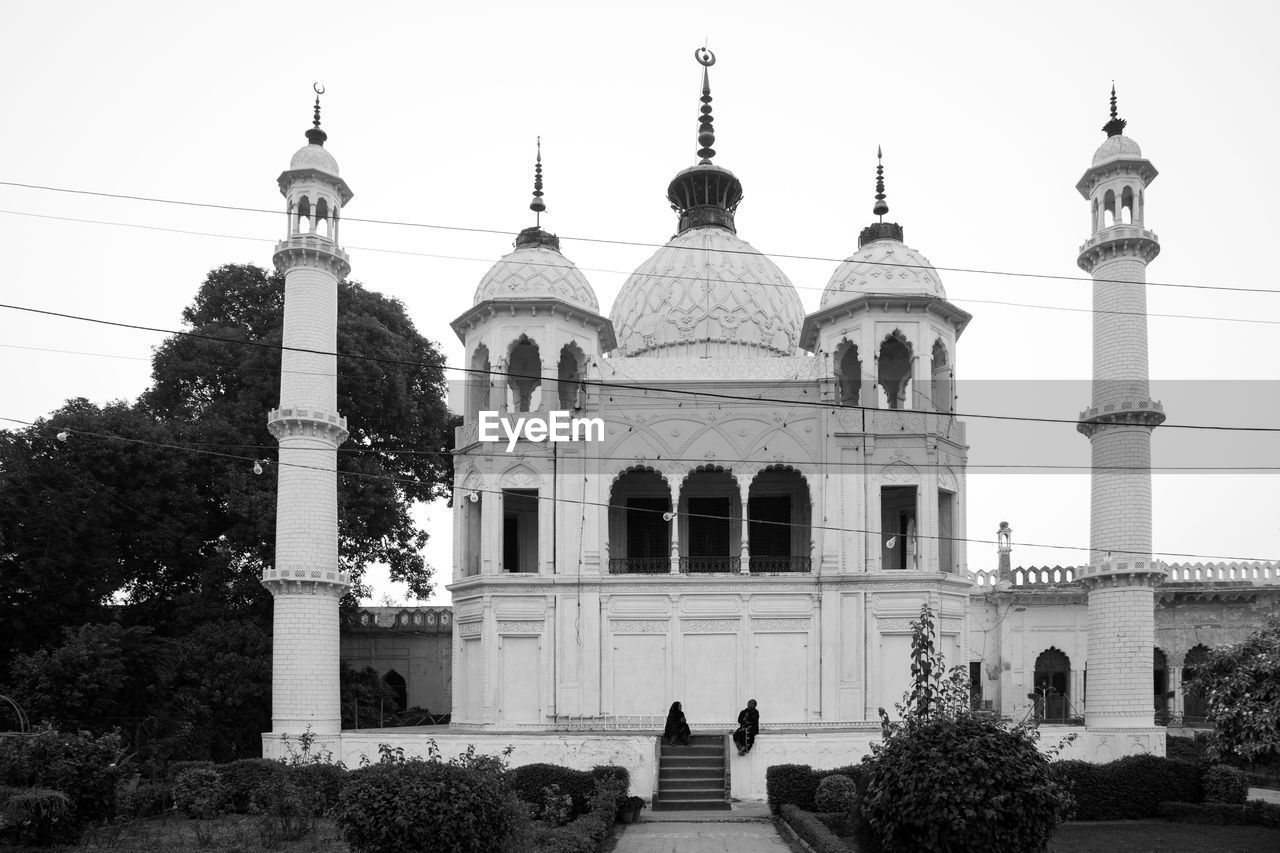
{"x":679,"y":774}
{"x":707,"y":767}
{"x":699,"y":782}
{"x":662,"y":805}
{"x":692,"y":794}
{"x":693,"y":749}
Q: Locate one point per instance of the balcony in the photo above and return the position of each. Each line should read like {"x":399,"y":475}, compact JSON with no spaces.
{"x":709,"y":565}
{"x":771,"y":565}
{"x":639,"y":565}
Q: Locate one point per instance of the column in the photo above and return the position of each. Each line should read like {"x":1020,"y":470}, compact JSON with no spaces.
{"x":744,"y":551}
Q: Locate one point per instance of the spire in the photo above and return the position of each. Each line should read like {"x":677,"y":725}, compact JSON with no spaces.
{"x":538,"y":206}
{"x":706,"y":133}
{"x":315,"y":135}
{"x":881,"y":207}
{"x":1115,"y":127}
{"x":880,"y":230}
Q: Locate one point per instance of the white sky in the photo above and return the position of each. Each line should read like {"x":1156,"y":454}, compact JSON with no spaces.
{"x":987,"y":119}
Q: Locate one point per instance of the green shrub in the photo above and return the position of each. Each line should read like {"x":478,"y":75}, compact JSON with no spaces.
{"x":1186,"y":749}
{"x":814,"y":832}
{"x":836,"y":793}
{"x":287,"y":811}
{"x":199,"y":792}
{"x":1252,"y":813}
{"x":1223,"y":784}
{"x":619,"y":774}
{"x":530,"y":781}
{"x":174,"y":769}
{"x":425,"y":805}
{"x":36,"y":816}
{"x":962,"y":784}
{"x":1130,"y":788}
{"x":325,"y":781}
{"x":85,"y":768}
{"x":241,"y":778}
{"x":587,"y":832}
{"x":794,"y":784}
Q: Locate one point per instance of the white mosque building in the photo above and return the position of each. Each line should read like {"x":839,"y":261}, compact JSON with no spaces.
{"x":768,"y":499}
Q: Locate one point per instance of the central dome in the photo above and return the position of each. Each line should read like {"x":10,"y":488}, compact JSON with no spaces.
{"x":707,"y":292}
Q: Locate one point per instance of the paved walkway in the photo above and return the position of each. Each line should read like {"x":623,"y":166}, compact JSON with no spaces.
{"x":1267,"y":795}
{"x":748,"y":828}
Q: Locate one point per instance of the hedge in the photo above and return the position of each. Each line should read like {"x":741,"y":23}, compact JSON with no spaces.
{"x":811,"y":829}
{"x":1252,"y":813}
{"x":797,"y":784}
{"x":1186,"y":749}
{"x":1129,"y":788}
{"x":529,"y":781}
{"x":586,"y":833}
{"x":1223,"y":784}
{"x":243,"y":777}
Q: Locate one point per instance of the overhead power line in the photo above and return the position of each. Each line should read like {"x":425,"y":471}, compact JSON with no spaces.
{"x":72,"y":432}
{"x":596,"y":383}
{"x":619,"y":242}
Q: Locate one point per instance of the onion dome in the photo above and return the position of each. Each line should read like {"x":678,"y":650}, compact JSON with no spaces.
{"x":1117,"y":146}
{"x":536,"y":268}
{"x":707,"y":292}
{"x":313,"y":155}
{"x":883,"y":264}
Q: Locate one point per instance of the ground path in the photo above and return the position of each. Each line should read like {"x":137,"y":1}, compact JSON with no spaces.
{"x":748,"y":828}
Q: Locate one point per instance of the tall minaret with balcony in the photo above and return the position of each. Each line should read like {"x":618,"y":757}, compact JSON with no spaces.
{"x":306,"y":580}
{"x":1121,"y":575}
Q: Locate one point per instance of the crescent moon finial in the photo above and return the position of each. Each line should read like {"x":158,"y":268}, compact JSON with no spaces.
{"x":317,"y":88}
{"x":705,"y":57}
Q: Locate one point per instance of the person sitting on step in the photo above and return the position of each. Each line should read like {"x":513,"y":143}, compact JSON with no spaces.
{"x":677,"y":730}
{"x":748,"y":727}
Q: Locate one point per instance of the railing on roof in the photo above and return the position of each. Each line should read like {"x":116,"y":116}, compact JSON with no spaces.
{"x":1255,"y":573}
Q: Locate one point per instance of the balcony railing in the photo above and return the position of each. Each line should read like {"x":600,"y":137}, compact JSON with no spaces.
{"x":766,"y":565}
{"x":709,"y":565}
{"x":639,"y":565}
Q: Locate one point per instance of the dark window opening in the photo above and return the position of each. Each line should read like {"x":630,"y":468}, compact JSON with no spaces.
{"x":898,"y":539}
{"x":395,"y":681}
{"x":769,"y":528}
{"x":519,"y":530}
{"x":709,"y":523}
{"x":946,"y":532}
{"x":647,"y":532}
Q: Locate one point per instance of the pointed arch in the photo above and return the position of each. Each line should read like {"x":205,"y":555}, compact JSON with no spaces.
{"x":524,"y":375}
{"x":570,"y":373}
{"x":640,"y":522}
{"x":943,"y":378}
{"x":848,"y":373}
{"x":304,"y":216}
{"x":1052,"y":684}
{"x":710,"y":520}
{"x":1127,"y":212}
{"x":395,"y":681}
{"x":1194,"y":706}
{"x":1109,"y":209}
{"x":322,"y":217}
{"x":893,"y":368}
{"x":479,"y":382}
{"x":779,"y":518}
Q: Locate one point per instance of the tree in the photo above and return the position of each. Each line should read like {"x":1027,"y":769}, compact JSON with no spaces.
{"x":154,"y":507}
{"x":1241,"y":686}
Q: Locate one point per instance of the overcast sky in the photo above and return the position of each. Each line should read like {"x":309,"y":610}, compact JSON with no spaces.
{"x":987,"y":118}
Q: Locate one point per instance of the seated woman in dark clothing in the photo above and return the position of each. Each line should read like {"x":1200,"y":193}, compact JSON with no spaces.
{"x":677,"y":730}
{"x":748,"y":727}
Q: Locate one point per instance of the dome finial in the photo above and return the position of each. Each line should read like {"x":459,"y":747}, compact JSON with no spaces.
{"x":706,"y":133}
{"x":1115,"y":127}
{"x":881,"y":207}
{"x":315,"y":135}
{"x":538,"y":206}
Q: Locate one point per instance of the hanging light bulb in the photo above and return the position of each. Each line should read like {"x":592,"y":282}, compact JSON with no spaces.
{"x":257,"y":467}
{"x":667,"y":516}
{"x":473,"y":497}
{"x":62,"y":436}
{"x":893,"y":540}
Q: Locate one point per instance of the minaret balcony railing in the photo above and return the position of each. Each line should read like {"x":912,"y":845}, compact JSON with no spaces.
{"x":1119,"y":232}
{"x":1133,"y":412}
{"x":302,"y":248}
{"x":312,"y":242}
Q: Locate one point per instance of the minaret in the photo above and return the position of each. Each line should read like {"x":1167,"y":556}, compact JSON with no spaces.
{"x":1121,"y":576}
{"x":306,"y":580}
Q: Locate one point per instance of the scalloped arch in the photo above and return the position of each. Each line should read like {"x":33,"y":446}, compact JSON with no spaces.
{"x":520,"y":476}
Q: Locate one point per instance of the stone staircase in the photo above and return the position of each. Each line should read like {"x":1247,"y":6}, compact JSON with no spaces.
{"x":693,"y":776}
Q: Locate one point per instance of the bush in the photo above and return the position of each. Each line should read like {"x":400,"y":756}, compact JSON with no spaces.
{"x":1129,"y":788}
{"x":619,"y":774}
{"x":1252,"y":813}
{"x":174,"y":769}
{"x":422,"y":805}
{"x":325,"y":781}
{"x":813,"y":831}
{"x":531,"y":781}
{"x":287,"y":810}
{"x":793,"y":784}
{"x":836,"y":793}
{"x":85,"y":768}
{"x":36,"y":816}
{"x":963,"y":784}
{"x":241,"y":778}
{"x":1223,"y":784}
{"x":1186,"y":749}
{"x":199,"y":792}
{"x":585,"y":834}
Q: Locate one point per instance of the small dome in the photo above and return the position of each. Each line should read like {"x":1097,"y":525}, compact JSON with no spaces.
{"x":707,"y":286}
{"x":537,"y":270}
{"x":1116,"y":147}
{"x":314,"y":157}
{"x":875,"y":269}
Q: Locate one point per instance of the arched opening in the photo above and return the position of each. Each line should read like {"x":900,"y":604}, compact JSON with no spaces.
{"x":524,"y":376}
{"x":639,"y":532}
{"x":848,"y":372}
{"x":472,"y":513}
{"x":569,"y":375}
{"x":1094,"y":222}
{"x":322,"y":218}
{"x":520,"y":530}
{"x":396,"y":683}
{"x":304,"y":216}
{"x":1109,"y":209}
{"x":479,"y":383}
{"x":894,"y":369}
{"x":710,"y":522}
{"x":1052,"y":684}
{"x":1194,"y":706}
{"x":1126,"y":206}
{"x":942,"y":376}
{"x":1160,"y":688}
{"x":778,"y":519}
